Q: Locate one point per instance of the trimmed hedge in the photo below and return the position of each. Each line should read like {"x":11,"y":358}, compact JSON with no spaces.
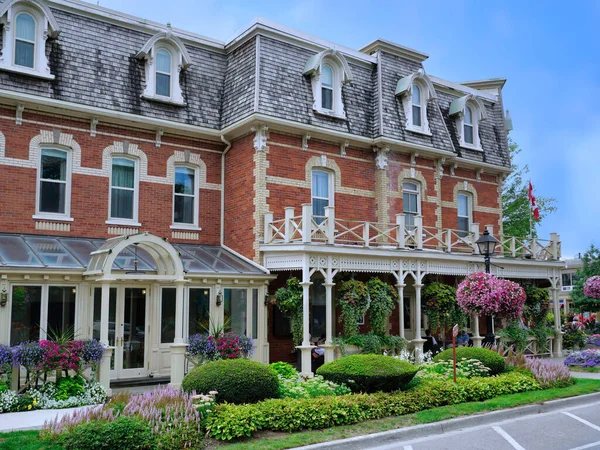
{"x":235,"y":380}
{"x":488,"y":358}
{"x":122,"y":432}
{"x":369,"y":373}
{"x":232,"y":422}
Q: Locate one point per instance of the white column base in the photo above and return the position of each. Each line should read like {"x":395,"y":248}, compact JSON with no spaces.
{"x":477,"y":341}
{"x":418,"y":344}
{"x":329,"y":352}
{"x":558,"y":350}
{"x":104,"y":370}
{"x":177,"y":363}
{"x":306,"y":361}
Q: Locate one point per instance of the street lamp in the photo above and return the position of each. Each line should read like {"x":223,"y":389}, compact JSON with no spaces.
{"x":487,"y":247}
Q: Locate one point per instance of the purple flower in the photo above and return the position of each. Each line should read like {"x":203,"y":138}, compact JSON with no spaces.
{"x":6,"y":358}
{"x":547,"y":373}
{"x":92,"y":352}
{"x":29,"y":354}
{"x":585,"y":358}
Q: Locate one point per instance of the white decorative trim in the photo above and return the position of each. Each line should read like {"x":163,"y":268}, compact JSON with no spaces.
{"x":159,"y":134}
{"x":122,"y":231}
{"x":439,"y":165}
{"x":93,"y":124}
{"x":305,"y":139}
{"x":52,"y":217}
{"x":123,"y":222}
{"x":185,"y":235}
{"x":453,"y":167}
{"x":261,"y":137}
{"x":478,"y":174}
{"x":343,"y":146}
{"x":53,"y":226}
{"x":19,"y":114}
{"x":413,"y":158}
{"x":428,"y":94}
{"x":341,"y":76}
{"x":381,"y":158}
{"x":457,"y":109}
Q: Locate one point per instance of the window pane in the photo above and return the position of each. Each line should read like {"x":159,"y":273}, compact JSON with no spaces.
{"x":199,"y":308}
{"x":121,"y":204}
{"x":409,"y":219}
{"x":112,"y":311}
{"x":235,"y":304}
{"x":409,"y":203}
{"x":463,"y":223}
{"x":320,"y":184}
{"x":407,"y":186}
{"x":163,"y":84}
{"x":319,"y":207}
{"x":25,"y":27}
{"x":416,"y":112}
{"x":416,"y":95}
{"x":463,"y":205}
{"x":25,"y":314}
{"x":184,"y":180}
{"x":24,"y":53}
{"x":123,"y":173}
{"x":468,"y":115}
{"x":183,"y":209}
{"x":54,"y":165}
{"x":468,"y":134}
{"x":566,"y":279}
{"x":318,"y":309}
{"x":407,"y":313}
{"x":326,"y":98}
{"x":254,"y":313}
{"x":167,"y":322}
{"x":52,"y":197}
{"x":327,"y":76}
{"x":163,"y":61}
{"x":61,"y":310}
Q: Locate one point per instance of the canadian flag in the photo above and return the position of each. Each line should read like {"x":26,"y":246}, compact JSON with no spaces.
{"x":534,"y":207}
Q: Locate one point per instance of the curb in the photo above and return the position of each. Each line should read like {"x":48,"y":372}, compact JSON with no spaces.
{"x":444,"y":426}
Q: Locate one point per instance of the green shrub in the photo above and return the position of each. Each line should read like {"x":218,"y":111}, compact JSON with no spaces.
{"x":487,"y":357}
{"x":233,"y":421}
{"x":235,"y":380}
{"x":369,"y":373}
{"x":284,"y":369}
{"x":122,"y":432}
{"x":69,"y":387}
{"x":309,"y":388}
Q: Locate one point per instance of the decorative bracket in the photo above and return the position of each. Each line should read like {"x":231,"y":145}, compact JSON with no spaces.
{"x":324,"y":160}
{"x":260,"y":139}
{"x":305,"y":140}
{"x":413,"y":158}
{"x":19,"y":117}
{"x":343,"y":147}
{"x":159,"y":134}
{"x":453,"y":168}
{"x":440,"y":167}
{"x":501,"y":179}
{"x":478,"y":174}
{"x":93,"y":125}
{"x":381,"y":158}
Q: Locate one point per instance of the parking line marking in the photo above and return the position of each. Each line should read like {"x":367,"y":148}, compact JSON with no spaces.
{"x":583,"y":447}
{"x":508,"y":438}
{"x":589,"y":424}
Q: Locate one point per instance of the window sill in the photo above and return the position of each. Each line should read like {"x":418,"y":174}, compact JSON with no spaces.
{"x":27,"y":71}
{"x":123,"y":223}
{"x":165,"y":100}
{"x":184,"y":227}
{"x":418,"y":131}
{"x":54,"y":218}
{"x":333,"y":114}
{"x":471,"y":147}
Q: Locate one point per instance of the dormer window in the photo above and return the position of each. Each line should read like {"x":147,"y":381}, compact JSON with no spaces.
{"x":329,"y":71}
{"x":415,"y":92}
{"x":165,"y":57}
{"x":25,"y":27}
{"x":468,"y":111}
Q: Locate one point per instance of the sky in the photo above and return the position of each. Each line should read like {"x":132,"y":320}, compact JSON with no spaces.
{"x":547,"y":50}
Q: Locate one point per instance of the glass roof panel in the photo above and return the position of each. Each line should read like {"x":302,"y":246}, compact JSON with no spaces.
{"x":207,"y":259}
{"x":229,"y":258}
{"x":126,"y":260}
{"x":191,"y":264}
{"x":80,"y":248}
{"x":51,"y":252}
{"x":14,"y":251}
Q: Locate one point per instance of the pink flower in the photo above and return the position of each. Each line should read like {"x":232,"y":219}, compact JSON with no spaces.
{"x":481,"y":292}
{"x":591,"y":287}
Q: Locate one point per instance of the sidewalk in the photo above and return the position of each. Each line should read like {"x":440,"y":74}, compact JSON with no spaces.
{"x":32,"y":420}
{"x":575,"y":374}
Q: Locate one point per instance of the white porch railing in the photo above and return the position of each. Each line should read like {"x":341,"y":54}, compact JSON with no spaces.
{"x":329,"y":229}
{"x":533,"y":347}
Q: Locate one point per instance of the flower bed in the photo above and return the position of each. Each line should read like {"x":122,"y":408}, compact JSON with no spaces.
{"x":465,"y":368}
{"x":209,"y":347}
{"x":594,"y":339}
{"x":549,"y":374}
{"x":584,"y":358}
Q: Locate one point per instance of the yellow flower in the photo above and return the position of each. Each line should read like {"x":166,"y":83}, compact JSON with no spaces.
{"x":28,"y":406}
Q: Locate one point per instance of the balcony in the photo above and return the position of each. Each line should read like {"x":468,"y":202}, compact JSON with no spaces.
{"x":329,"y":230}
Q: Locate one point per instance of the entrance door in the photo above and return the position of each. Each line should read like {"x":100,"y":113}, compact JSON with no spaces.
{"x":127,"y":330}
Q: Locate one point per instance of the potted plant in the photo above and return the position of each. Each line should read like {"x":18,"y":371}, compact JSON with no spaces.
{"x":354,"y":300}
{"x":383,"y":300}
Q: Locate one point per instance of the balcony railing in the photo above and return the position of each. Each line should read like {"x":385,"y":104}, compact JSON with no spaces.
{"x":328,"y":229}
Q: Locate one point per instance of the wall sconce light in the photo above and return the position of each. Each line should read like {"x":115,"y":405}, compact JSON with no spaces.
{"x":219,"y":298}
{"x":143,"y":291}
{"x":74,"y":290}
{"x":269,"y":299}
{"x":3,"y":297}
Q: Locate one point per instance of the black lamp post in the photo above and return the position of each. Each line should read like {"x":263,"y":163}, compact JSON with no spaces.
{"x":487,"y":247}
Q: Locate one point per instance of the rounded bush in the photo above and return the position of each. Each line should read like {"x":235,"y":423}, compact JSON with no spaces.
{"x":236,"y":381}
{"x":369,"y":373}
{"x":488,"y":358}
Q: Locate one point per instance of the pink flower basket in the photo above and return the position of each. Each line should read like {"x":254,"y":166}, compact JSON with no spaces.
{"x":483,"y":293}
{"x":591,"y":287}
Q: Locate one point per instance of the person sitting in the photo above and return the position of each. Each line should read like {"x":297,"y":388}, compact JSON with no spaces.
{"x":462,"y":340}
{"x":318,"y":355}
{"x":431,"y":344}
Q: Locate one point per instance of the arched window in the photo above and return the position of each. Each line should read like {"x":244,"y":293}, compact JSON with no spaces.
{"x":25,"y":41}
{"x":417,"y":109}
{"x":468,"y":125}
{"x":322,"y":193}
{"x":124,"y":189}
{"x":465,"y":213}
{"x":185,"y":196}
{"x":163,"y":73}
{"x":411,"y":202}
{"x":327,"y":87}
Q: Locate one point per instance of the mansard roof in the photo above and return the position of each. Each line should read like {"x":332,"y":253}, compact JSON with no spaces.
{"x":96,"y":64}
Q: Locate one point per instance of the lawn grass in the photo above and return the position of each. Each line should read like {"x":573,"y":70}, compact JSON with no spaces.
{"x":29,"y":440}
{"x":584,"y":369}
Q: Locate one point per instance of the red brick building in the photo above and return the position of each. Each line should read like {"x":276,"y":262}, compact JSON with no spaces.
{"x":154,"y":181}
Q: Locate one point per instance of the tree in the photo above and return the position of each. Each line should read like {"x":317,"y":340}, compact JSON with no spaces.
{"x":516,"y":208}
{"x":590,"y":267}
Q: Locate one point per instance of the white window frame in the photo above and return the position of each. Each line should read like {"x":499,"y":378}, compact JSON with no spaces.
{"x":421,"y":107}
{"x":176,"y":94}
{"x":158,"y":72}
{"x":478,"y":114}
{"x":68,"y":181}
{"x":136,"y":193}
{"x":469,"y":215}
{"x":330,"y":186}
{"x":34,"y":42}
{"x":196,"y":195}
{"x":45,"y":27}
{"x":332,"y":88}
{"x":405,"y":91}
{"x":337,"y":105}
{"x":471,"y":125}
{"x":416,"y":192}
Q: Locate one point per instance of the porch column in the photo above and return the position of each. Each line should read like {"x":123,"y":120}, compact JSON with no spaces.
{"x":104,"y":369}
{"x":400,"y":288}
{"x":417,"y":341}
{"x":329,"y":356}
{"x":558,"y":337}
{"x":476,"y":337}
{"x":178,"y":347}
{"x":306,"y":347}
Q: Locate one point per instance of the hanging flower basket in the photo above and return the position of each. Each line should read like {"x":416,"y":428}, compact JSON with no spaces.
{"x":591,"y":287}
{"x":483,"y":293}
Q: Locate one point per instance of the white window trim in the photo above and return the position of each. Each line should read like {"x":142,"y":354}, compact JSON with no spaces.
{"x":136,"y":194}
{"x":470,"y":208}
{"x":404,"y":90}
{"x":418,"y":192}
{"x":187,"y":226}
{"x":337,"y":104}
{"x":476,"y":145}
{"x":45,"y":27}
{"x":177,"y":65}
{"x":330,"y":185}
{"x":41,"y":215}
{"x":479,"y":114}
